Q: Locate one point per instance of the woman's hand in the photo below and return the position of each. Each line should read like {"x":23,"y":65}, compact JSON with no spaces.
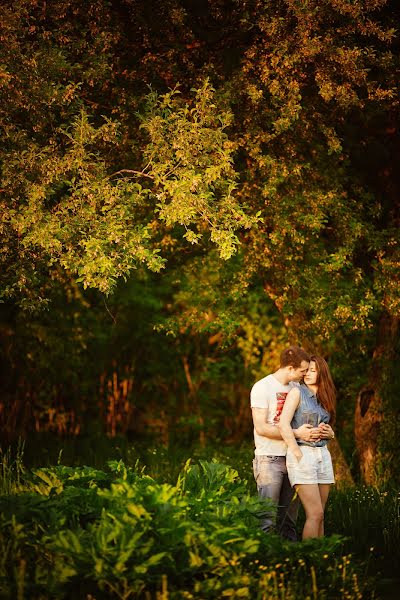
{"x":326,"y":431}
{"x":298,"y":454}
{"x":307,"y":433}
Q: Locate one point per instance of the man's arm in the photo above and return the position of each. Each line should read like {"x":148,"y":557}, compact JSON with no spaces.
{"x":262,"y":427}
{"x":272,"y":431}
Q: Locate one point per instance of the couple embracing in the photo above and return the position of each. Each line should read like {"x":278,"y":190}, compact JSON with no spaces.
{"x":293,"y":410}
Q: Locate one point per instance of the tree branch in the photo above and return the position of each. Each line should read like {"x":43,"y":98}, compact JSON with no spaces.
{"x":132,"y":172}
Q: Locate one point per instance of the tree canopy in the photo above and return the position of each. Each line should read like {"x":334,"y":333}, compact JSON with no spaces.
{"x":243,"y":152}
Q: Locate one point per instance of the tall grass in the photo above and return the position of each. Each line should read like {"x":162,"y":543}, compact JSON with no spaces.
{"x":11,"y":468}
{"x":370,"y":519}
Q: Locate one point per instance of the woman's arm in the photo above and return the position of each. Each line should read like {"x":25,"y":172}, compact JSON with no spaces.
{"x":291,"y":403}
{"x":305,"y":432}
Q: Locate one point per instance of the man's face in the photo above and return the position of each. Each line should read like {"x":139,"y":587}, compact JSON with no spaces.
{"x":297,"y":373}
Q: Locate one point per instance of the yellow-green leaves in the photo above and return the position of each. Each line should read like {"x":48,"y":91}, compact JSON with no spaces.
{"x":190,"y":158}
{"x":73,"y":210}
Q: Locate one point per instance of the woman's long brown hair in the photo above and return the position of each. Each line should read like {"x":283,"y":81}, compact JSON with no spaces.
{"x":326,"y":393}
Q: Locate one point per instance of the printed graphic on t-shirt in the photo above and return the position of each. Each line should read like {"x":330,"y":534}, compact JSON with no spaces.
{"x":280,"y":401}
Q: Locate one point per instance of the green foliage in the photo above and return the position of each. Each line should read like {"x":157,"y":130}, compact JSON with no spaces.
{"x":119,"y":533}
{"x":319,"y":222}
{"x":79,"y":204}
{"x":190,"y":159}
{"x":71,"y":212}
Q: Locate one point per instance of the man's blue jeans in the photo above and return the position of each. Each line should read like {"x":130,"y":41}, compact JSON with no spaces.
{"x":272,"y":482}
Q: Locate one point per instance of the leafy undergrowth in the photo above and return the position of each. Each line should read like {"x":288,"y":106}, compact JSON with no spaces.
{"x":79,"y":532}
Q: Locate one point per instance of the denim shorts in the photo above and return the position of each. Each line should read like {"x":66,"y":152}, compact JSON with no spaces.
{"x":314,"y":467}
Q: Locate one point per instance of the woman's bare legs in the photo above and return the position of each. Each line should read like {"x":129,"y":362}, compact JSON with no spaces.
{"x":310,"y":497}
{"x":324,"y":493}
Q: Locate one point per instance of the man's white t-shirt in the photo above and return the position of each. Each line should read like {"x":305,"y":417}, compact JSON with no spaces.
{"x":269,"y":393}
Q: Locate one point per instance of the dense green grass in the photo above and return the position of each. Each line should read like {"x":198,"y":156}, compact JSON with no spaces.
{"x":160,"y":526}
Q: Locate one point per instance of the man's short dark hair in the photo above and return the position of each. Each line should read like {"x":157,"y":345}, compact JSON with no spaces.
{"x":293,"y":357}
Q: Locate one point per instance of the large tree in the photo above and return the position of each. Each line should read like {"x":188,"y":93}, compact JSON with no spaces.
{"x":285,"y":165}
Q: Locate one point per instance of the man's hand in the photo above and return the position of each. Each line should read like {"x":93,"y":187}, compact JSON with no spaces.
{"x":307,"y":433}
{"x":326,"y":431}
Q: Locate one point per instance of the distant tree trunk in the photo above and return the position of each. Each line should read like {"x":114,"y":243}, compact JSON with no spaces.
{"x":193,"y":392}
{"x":373,"y":409}
{"x":343,"y":476}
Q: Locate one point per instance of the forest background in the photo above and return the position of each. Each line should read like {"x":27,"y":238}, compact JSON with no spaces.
{"x":187,"y":188}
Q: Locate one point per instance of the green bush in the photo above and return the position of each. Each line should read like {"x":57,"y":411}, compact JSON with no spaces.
{"x":119,"y":533}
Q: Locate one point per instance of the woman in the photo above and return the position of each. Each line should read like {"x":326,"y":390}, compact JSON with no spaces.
{"x":309,"y":464}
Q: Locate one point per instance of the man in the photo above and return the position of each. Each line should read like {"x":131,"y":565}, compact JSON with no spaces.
{"x":267,"y":399}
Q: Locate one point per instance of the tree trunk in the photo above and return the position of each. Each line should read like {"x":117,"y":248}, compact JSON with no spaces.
{"x":374,"y":409}
{"x":343,"y":476}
